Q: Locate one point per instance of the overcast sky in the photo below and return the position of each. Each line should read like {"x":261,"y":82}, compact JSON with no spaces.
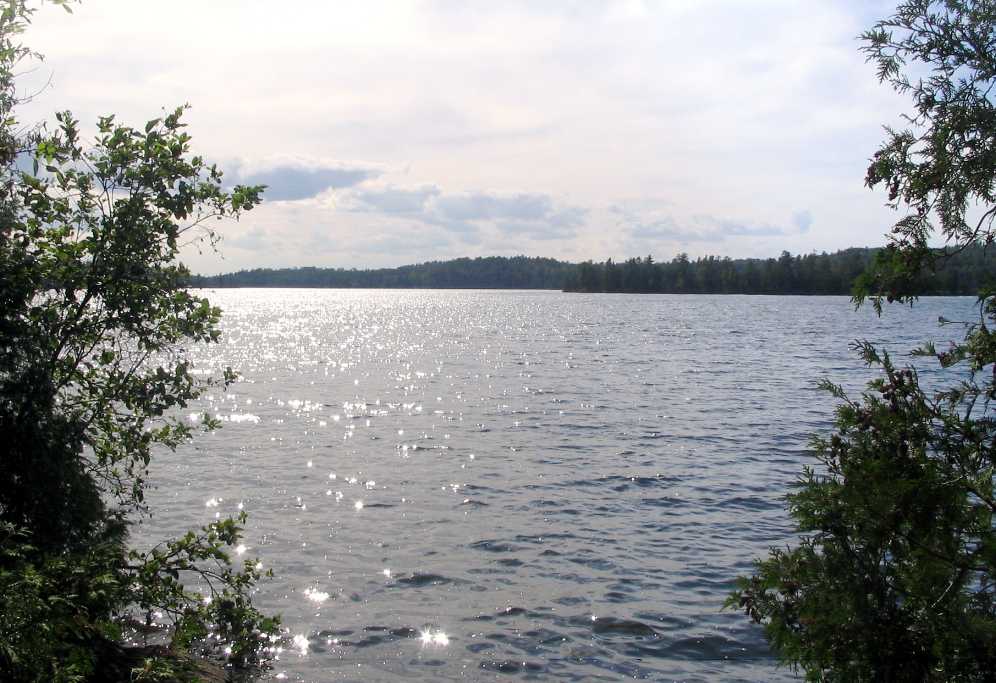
{"x":400,"y":132}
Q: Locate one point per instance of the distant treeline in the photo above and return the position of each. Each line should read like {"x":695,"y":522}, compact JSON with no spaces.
{"x":964,"y":273}
{"x":493,"y":272}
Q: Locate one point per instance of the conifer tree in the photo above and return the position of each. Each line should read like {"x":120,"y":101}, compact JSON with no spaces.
{"x":893,"y":578}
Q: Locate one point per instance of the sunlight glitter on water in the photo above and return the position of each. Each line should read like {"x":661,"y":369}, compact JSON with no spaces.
{"x":429,"y":637}
{"x":561,"y":492}
{"x":301,"y":643}
{"x":316,"y":596}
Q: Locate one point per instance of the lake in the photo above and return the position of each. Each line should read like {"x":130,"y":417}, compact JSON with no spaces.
{"x":498,"y":485}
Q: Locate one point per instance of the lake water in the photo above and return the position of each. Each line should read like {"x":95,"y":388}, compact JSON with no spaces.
{"x":482,"y":485}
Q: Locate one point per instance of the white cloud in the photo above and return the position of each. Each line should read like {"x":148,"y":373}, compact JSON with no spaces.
{"x":491,"y":126}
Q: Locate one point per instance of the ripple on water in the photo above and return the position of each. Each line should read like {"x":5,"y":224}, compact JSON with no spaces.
{"x":539,"y":459}
{"x":608,"y":628}
{"x":421,"y":580}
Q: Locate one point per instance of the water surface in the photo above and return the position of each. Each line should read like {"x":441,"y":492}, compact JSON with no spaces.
{"x":478,"y":485}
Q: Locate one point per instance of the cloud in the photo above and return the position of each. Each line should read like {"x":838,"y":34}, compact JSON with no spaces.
{"x":802,"y":220}
{"x":296,"y":180}
{"x":667,"y":229}
{"x":392,"y":200}
{"x":409,"y":243}
{"x":375,"y":240}
{"x":557,"y":225}
{"x":484,"y":206}
{"x":255,"y":239}
{"x":728,"y":228}
{"x":557,"y":99}
{"x":706,"y":228}
{"x":468,"y":214}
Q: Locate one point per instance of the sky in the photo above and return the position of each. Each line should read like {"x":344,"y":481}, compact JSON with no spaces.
{"x":399,"y":132}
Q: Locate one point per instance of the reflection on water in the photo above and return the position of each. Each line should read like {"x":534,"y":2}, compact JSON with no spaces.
{"x":429,"y":637}
{"x":454,"y":485}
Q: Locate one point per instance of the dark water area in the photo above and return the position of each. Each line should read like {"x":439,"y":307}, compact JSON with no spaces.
{"x":480,"y":485}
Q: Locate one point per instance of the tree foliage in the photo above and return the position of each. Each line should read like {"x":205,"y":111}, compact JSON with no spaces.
{"x":824,"y":273}
{"x":893,"y":578}
{"x":492,"y":272}
{"x":939,"y":169}
{"x":95,"y":321}
{"x":962,"y":273}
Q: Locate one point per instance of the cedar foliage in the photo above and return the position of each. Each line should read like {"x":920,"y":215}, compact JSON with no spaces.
{"x":893,"y":577}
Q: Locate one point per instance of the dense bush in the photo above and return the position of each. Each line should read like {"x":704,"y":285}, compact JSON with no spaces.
{"x":893,"y":579}
{"x":94,"y":323}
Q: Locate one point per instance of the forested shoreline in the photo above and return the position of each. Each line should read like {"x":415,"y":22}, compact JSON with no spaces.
{"x":963,"y":273}
{"x":121,"y":562}
{"x":493,"y":272}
